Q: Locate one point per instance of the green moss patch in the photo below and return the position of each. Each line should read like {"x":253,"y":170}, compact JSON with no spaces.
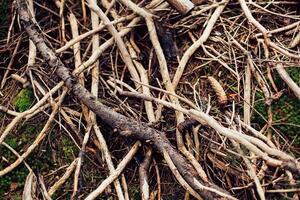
{"x":294,"y":72}
{"x":69,"y":149}
{"x":23,"y":100}
{"x":286,"y":116}
{"x":260,"y":110}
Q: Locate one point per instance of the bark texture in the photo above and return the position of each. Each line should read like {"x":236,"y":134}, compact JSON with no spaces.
{"x":126,"y":126}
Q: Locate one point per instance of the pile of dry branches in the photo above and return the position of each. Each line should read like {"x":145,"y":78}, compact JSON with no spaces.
{"x":179,"y":78}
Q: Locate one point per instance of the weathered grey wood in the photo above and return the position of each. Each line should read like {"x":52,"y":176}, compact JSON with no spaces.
{"x":126,"y":126}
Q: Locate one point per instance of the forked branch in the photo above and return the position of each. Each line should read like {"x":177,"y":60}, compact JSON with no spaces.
{"x":126,"y":126}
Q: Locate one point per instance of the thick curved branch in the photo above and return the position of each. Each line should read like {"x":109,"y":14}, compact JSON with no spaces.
{"x":126,"y":126}
{"x":264,"y":31}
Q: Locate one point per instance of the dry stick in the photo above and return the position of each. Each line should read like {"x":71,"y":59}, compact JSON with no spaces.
{"x":93,"y":58}
{"x":155,"y":42}
{"x":16,"y":154}
{"x":62,"y":110}
{"x":185,"y":111}
{"x":219,"y":61}
{"x":32,"y":48}
{"x":260,"y":144}
{"x":144,"y":167}
{"x":90,"y":119}
{"x":11,"y":62}
{"x":20,"y":79}
{"x":269,"y":149}
{"x":195,"y":46}
{"x":278,"y":30}
{"x":296,"y":40}
{"x":257,"y":133}
{"x":251,"y":167}
{"x":144,"y":186}
{"x":126,"y":126}
{"x":11,"y":25}
{"x":260,"y":80}
{"x":183,"y":6}
{"x":86,"y":114}
{"x":43,"y":188}
{"x":72,"y":112}
{"x":33,"y":81}
{"x":264,"y":31}
{"x":22,"y":115}
{"x":287,"y":79}
{"x":174,"y":170}
{"x":251,"y":171}
{"x":249,"y":142}
{"x":203,"y":9}
{"x":63,"y":179}
{"x":187,"y":101}
{"x":143,"y":173}
{"x":283,"y":190}
{"x":38,"y":110}
{"x":134,"y":93}
{"x":253,"y":144}
{"x":270,"y":77}
{"x":62,"y":21}
{"x":292,"y":183}
{"x":125,"y":187}
{"x":167,"y":81}
{"x":192,"y":49}
{"x":51,"y":102}
{"x":124,"y":53}
{"x":261,"y":173}
{"x":180,"y":179}
{"x":196,"y":141}
{"x":71,"y":124}
{"x":95,"y":70}
{"x":83,"y":11}
{"x":247,"y":120}
{"x":108,"y":6}
{"x":247,"y":95}
{"x":144,"y":78}
{"x":39,"y":138}
{"x":141,"y":70}
{"x":115,"y":174}
{"x":108,"y":159}
{"x":268,"y":11}
{"x":94,"y":91}
{"x":89,"y":33}
{"x":30,"y":187}
{"x":191,"y":148}
{"x":80,"y":160}
{"x":7,"y":111}
{"x":157,"y":179}
{"x":77,"y":56}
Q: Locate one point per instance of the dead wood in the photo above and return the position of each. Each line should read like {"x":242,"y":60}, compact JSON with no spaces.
{"x":183,"y":6}
{"x":221,"y":81}
{"x":126,"y":126}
